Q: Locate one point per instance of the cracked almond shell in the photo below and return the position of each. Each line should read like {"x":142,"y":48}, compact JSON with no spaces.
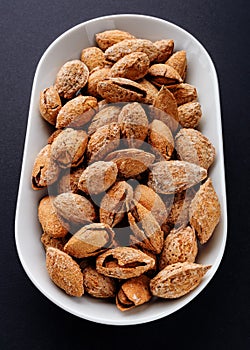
{"x":77,"y":112}
{"x":110,"y":37}
{"x":51,"y":223}
{"x":74,"y":208}
{"x":68,"y":147}
{"x":133,"y":122}
{"x":189,"y":114}
{"x":174,"y":176}
{"x":133,"y":66}
{"x":98,"y":177}
{"x":124,"y":262}
{"x":178,"y":279}
{"x":133,"y":292}
{"x":131,"y":162}
{"x":204,"y":212}
{"x":161,"y":139}
{"x":105,"y":116}
{"x":64,"y":272}
{"x":71,"y":77}
{"x":183,"y":93}
{"x":90,"y":240}
{"x":97,"y":75}
{"x":151,"y":91}
{"x":179,"y":62}
{"x":98,"y":285}
{"x":50,"y":104}
{"x":194,"y":147}
{"x":163,"y":74}
{"x":179,"y":246}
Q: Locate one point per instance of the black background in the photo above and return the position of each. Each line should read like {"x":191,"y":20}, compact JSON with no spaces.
{"x":219,"y":317}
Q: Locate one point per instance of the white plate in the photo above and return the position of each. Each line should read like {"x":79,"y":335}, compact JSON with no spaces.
{"x":202,"y":74}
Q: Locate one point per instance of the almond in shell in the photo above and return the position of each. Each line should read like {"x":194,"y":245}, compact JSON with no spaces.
{"x":97,"y":75}
{"x":161,"y":139}
{"x":110,"y":37}
{"x":204,"y":212}
{"x":50,"y":104}
{"x":106,"y":115}
{"x":98,"y":285}
{"x":69,"y":180}
{"x":183,"y":93}
{"x":163,"y":74}
{"x":151,"y":91}
{"x":189,"y":114}
{"x":179,"y":62}
{"x":93,"y":57}
{"x":178,"y":279}
{"x":165,"y":48}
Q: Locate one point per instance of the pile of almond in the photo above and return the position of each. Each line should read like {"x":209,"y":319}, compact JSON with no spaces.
{"x":129,"y":199}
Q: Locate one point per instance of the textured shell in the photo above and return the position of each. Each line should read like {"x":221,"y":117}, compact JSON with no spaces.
{"x":151,"y":91}
{"x":50,"y":104}
{"x":49,"y":241}
{"x":133,"y":122}
{"x":103,"y":141}
{"x":93,"y":57}
{"x":53,"y":136}
{"x":77,"y":112}
{"x":98,"y":177}
{"x":124,"y":262}
{"x":147,"y":232}
{"x":133,"y":292}
{"x":194,"y":147}
{"x":179,"y":246}
{"x":105,"y":116}
{"x":165,"y":48}
{"x":178,"y":206}
{"x":90,"y":240}
{"x":51,"y":223}
{"x":161,"y":139}
{"x":204,"y":213}
{"x":131,"y":162}
{"x":177,"y":279}
{"x":95,"y":77}
{"x":98,"y":285}
{"x":115,"y":202}
{"x":166,"y":109}
{"x":110,"y":37}
{"x":64,"y":272}
{"x":121,"y":90}
{"x":133,"y":66}
{"x":45,"y":171}
{"x":71,"y":77}
{"x":69,"y":181}
{"x":175,"y":176}
{"x":68,"y":147}
{"x":162,"y":74}
{"x":149,"y":199}
{"x":125,"y":47}
{"x":179,"y":62}
{"x":74,"y":208}
{"x":189,"y":114}
{"x":183,"y":93}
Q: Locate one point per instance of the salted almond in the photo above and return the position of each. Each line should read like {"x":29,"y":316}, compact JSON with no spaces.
{"x":133,"y":66}
{"x":204,"y":213}
{"x":97,"y":75}
{"x":194,"y":147}
{"x":93,"y":57}
{"x":133,"y":292}
{"x":162,"y":74}
{"x":161,"y":139}
{"x":45,"y":170}
{"x":150,"y":200}
{"x":178,"y":279}
{"x":110,"y":37}
{"x":179,"y":62}
{"x":147,"y":232}
{"x":64,"y":272}
{"x":183,"y":93}
{"x":71,"y":77}
{"x":77,"y":112}
{"x":165,"y":109}
{"x":189,"y":114}
{"x":103,"y":141}
{"x":123,"y":262}
{"x":98,"y":177}
{"x":131,"y":162}
{"x":90,"y":240}
{"x":106,"y":115}
{"x":175,"y":176}
{"x":74,"y":208}
{"x":98,"y":285}
{"x":179,"y":246}
{"x":50,"y":104}
{"x":133,"y":122}
{"x":125,"y":47}
{"x":165,"y":48}
{"x":51,"y":223}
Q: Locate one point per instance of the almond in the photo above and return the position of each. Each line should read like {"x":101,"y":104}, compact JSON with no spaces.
{"x":93,"y":57}
{"x":97,"y":75}
{"x":183,"y":93}
{"x":133,"y":66}
{"x":161,"y":139}
{"x":165,"y":48}
{"x":162,"y":74}
{"x":98,"y":285}
{"x":189,"y":114}
{"x":179,"y":62}
{"x":110,"y":37}
{"x":50,"y":104}
{"x":106,"y":115}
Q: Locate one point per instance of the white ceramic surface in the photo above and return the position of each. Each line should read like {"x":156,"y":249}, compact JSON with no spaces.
{"x":202,"y":74}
